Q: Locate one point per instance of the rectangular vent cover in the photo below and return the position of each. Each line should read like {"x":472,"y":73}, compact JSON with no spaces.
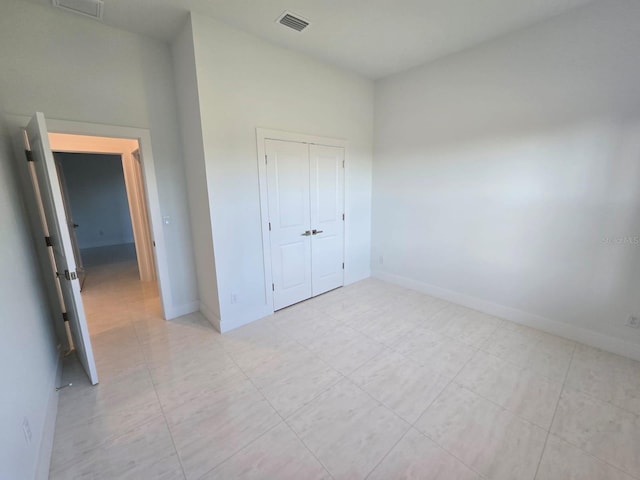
{"x":293,"y":21}
{"x":88,"y":8}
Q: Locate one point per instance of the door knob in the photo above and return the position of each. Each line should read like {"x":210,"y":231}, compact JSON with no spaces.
{"x":315,"y":232}
{"x":306,"y":233}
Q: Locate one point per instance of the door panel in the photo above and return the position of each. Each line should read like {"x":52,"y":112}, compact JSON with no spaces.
{"x":54,"y":213}
{"x":289,"y":216}
{"x":47,"y":262}
{"x":292,"y":257}
{"x":70,"y":223}
{"x":327,"y":208}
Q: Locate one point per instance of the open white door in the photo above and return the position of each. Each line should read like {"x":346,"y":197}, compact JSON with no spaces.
{"x":71,"y":224}
{"x":54,"y":213}
{"x":327,"y":217}
{"x":290,"y":223}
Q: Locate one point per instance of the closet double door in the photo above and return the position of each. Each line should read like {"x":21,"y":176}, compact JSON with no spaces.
{"x":305,"y":187}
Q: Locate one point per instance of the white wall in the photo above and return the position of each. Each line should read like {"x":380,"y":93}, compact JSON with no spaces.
{"x":244,"y":83}
{"x":499,"y":171}
{"x":193,"y":150}
{"x":98,"y":198}
{"x":73,"y":68}
{"x":28,"y":355}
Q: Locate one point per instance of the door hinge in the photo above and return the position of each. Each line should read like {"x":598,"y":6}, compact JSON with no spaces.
{"x":343,"y":217}
{"x":48,"y":241}
{"x":29,"y":155}
{"x":265,"y":159}
{"x":65,"y":317}
{"x":342,"y":163}
{"x":343,"y":265}
{"x":68,"y":275}
{"x":273,"y":287}
{"x":269,"y":226}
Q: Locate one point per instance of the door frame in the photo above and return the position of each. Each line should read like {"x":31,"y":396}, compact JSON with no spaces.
{"x":143,"y":137}
{"x":136,"y":198}
{"x":263,"y":134}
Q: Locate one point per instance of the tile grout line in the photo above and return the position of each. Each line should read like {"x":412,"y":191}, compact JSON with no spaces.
{"x":387,"y":454}
{"x":112,"y":439}
{"x":281,"y":418}
{"x":429,"y":406}
{"x":306,"y":446}
{"x":453,"y":377}
{"x":453,"y":380}
{"x":244,"y":446}
{"x":523,"y":367}
{"x":546,"y":440}
{"x":606,"y":462}
{"x":284,"y":420}
{"x":412,"y":425}
{"x":155,"y":391}
{"x":517,"y":415}
{"x":344,"y":377}
{"x":238,"y":451}
{"x":608,"y":402}
{"x":352,"y":382}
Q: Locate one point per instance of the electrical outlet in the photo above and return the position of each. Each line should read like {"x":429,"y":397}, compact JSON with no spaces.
{"x":633,"y":321}
{"x":234,"y":298}
{"x":26,"y":429}
{"x":381,"y":260}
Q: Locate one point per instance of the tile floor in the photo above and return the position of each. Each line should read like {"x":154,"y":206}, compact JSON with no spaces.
{"x":368,"y":381}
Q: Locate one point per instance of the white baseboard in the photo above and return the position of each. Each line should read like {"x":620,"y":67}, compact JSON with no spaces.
{"x":49,"y":427}
{"x":350,"y":279}
{"x":244,"y":319}
{"x":226,"y":325}
{"x":555,"y":327}
{"x":180,"y":310}
{"x":210,"y":315}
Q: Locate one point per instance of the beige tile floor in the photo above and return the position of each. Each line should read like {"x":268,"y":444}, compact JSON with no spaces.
{"x":368,"y":381}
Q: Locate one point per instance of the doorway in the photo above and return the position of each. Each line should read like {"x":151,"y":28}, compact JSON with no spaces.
{"x":46,"y":205}
{"x":99,"y":138}
{"x":105,"y":206}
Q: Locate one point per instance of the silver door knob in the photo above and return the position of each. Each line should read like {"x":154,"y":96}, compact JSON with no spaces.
{"x":315,"y":232}
{"x":306,"y":233}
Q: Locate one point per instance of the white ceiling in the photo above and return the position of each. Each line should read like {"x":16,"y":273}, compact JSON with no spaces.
{"x":372,"y":37}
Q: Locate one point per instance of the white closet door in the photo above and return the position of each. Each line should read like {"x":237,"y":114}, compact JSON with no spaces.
{"x":290,"y":223}
{"x":327,"y":209}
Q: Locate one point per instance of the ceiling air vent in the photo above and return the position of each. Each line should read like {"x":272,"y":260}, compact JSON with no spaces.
{"x":88,"y":8}
{"x":290,"y":20}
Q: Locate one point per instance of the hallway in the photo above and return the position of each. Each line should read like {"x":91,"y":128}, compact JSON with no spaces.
{"x":113,"y":294}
